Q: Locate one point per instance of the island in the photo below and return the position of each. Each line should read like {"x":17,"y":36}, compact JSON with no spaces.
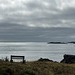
{"x":72,"y":42}
{"x":57,"y":43}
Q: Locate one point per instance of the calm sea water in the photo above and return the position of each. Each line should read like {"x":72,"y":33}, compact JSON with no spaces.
{"x":35,"y":50}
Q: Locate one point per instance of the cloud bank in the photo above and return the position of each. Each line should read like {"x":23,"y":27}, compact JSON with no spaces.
{"x":40,"y":20}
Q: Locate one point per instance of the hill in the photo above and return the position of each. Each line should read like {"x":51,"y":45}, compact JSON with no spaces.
{"x":36,"y":68}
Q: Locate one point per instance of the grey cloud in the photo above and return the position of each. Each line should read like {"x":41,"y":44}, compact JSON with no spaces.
{"x":20,"y":33}
{"x":35,"y":21}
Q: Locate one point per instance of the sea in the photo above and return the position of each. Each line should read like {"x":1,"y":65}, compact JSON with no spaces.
{"x":36,"y":50}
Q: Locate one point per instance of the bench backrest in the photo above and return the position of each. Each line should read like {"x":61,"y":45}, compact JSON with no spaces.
{"x":17,"y":57}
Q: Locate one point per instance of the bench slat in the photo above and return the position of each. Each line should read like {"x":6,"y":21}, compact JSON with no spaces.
{"x":17,"y":58}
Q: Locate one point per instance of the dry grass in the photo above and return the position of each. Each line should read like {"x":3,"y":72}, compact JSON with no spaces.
{"x":36,"y":68}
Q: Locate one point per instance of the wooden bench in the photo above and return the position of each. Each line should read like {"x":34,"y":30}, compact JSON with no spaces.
{"x":17,"y":57}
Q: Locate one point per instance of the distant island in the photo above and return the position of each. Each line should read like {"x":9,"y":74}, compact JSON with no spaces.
{"x":72,"y":42}
{"x":61,"y":42}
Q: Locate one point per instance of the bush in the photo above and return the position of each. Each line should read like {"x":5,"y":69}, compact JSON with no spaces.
{"x":6,"y":71}
{"x":28,"y":72}
{"x":6,"y":59}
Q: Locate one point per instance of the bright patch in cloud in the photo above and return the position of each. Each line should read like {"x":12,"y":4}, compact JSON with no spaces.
{"x":42,"y":13}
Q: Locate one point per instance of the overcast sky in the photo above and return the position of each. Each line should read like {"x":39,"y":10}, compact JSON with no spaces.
{"x":37,"y":20}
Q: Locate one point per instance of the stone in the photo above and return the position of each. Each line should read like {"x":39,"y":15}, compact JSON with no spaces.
{"x":69,"y":59}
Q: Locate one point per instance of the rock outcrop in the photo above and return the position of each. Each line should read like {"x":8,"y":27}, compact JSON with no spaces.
{"x":45,"y":59}
{"x":69,"y":59}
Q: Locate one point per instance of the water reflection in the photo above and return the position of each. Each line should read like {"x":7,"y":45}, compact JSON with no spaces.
{"x":35,"y":50}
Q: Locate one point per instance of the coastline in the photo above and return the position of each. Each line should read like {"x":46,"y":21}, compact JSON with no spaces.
{"x":36,"y":68}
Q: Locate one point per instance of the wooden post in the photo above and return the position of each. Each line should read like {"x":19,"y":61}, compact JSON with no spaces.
{"x":11,"y":59}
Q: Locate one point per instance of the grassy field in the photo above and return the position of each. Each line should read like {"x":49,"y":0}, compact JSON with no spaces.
{"x":36,"y":68}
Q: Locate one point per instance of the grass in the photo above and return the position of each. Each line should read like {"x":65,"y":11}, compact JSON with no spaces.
{"x":36,"y":68}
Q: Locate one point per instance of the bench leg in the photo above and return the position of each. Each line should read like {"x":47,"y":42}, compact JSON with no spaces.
{"x":11,"y":60}
{"x":23,"y":60}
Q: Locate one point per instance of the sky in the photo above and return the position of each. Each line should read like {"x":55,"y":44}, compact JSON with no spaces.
{"x":37,"y":20}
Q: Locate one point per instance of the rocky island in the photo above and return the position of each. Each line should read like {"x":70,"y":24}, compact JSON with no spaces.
{"x":57,"y":43}
{"x":72,"y":42}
